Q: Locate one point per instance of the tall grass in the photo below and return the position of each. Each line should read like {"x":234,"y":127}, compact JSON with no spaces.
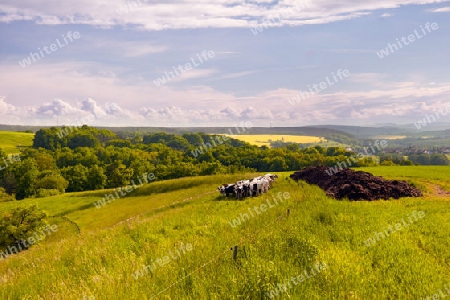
{"x":101,"y":261}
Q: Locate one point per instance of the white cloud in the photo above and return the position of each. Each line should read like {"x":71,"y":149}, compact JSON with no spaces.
{"x":237,"y":74}
{"x":138,"y":49}
{"x":162,"y":14}
{"x":443,"y":9}
{"x":57,"y":107}
{"x":386,"y":15}
{"x":193,"y":74}
{"x":115,"y":101}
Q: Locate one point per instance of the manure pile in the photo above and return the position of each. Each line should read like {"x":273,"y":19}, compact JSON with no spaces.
{"x":355,"y":185}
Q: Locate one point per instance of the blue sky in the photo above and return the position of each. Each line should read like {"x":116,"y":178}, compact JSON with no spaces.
{"x":107,"y":76}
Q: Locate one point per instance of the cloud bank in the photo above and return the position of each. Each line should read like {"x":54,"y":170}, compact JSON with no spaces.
{"x":181,"y":14}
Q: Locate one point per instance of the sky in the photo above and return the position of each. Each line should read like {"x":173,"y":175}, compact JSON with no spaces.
{"x":219,"y":63}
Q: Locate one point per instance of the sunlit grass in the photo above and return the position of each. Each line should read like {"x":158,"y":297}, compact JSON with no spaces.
{"x":409,"y":264}
{"x":10,"y":140}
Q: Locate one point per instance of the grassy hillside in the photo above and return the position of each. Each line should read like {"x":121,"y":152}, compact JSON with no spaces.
{"x":10,"y":140}
{"x":160,"y":219}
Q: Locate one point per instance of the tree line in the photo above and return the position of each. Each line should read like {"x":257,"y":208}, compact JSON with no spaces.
{"x":87,"y":158}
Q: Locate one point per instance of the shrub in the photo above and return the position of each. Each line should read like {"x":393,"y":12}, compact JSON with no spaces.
{"x":20,"y":224}
{"x":41,"y":193}
{"x":5,"y":197}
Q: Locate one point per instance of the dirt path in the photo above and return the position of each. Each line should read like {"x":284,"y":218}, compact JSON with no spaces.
{"x":434,"y":190}
{"x":438,"y":191}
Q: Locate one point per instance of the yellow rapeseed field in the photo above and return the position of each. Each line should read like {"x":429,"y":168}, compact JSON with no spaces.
{"x":264,"y":139}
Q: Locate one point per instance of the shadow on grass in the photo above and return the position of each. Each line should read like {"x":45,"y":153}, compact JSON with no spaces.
{"x":79,"y":208}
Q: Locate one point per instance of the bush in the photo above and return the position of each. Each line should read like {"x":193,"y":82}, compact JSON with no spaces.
{"x":41,"y":193}
{"x":5,"y":197}
{"x":52,"y":182}
{"x":20,"y":224}
{"x":388,"y":162}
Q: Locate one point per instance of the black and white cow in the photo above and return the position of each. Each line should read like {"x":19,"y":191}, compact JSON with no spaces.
{"x":248,"y":188}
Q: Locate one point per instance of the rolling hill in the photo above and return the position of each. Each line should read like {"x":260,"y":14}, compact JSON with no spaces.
{"x":9,"y":141}
{"x":172,"y":240}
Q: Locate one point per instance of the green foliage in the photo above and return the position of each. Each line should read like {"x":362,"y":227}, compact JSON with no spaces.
{"x":194,"y":139}
{"x":48,"y":138}
{"x":387,"y":162}
{"x":96,"y":178}
{"x":26,"y":174}
{"x":171,"y":140}
{"x":56,"y":138}
{"x":118,"y":175}
{"x":427,"y":159}
{"x":83,"y":140}
{"x":51,"y":181}
{"x":20,"y":223}
{"x":439,"y":160}
{"x":5,"y":197}
{"x":120,"y":143}
{"x":77,"y":177}
{"x":42,"y":193}
{"x":89,"y":158}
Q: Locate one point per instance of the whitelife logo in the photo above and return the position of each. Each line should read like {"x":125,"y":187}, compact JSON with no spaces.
{"x":221,"y":139}
{"x":398,"y":226}
{"x":431,"y":118}
{"x":272,"y":22}
{"x":53,"y":47}
{"x":319,"y":267}
{"x":263,"y":208}
{"x":162,"y":261}
{"x":35,"y":238}
{"x":124,"y":190}
{"x":187,"y":67}
{"x":342,"y":164}
{"x":319,"y":87}
{"x":411,"y":38}
{"x":16,"y":158}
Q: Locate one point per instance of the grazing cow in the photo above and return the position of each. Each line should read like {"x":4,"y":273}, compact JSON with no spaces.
{"x":221,"y":190}
{"x":273,"y":176}
{"x":229,"y":190}
{"x":239,"y":192}
{"x":265,"y":184}
{"x":248,"y":188}
{"x":255,"y":187}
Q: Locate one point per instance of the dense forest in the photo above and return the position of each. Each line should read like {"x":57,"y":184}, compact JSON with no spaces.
{"x":84,"y":158}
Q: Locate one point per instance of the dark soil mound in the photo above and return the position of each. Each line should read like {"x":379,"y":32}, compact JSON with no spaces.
{"x":355,"y":185}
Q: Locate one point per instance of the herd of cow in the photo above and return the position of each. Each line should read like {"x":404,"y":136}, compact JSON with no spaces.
{"x":248,"y":188}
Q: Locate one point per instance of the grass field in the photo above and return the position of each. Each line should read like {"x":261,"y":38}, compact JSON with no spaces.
{"x":154,"y":222}
{"x":9,"y":141}
{"x":264,"y":140}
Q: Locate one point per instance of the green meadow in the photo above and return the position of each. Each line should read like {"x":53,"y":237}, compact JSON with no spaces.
{"x":101,"y":253}
{"x":9,"y":141}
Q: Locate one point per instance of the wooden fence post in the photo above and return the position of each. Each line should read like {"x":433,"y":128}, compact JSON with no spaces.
{"x":235,"y":252}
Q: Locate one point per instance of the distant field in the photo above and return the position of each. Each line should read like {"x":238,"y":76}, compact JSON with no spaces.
{"x":264,"y":139}
{"x":9,"y":141}
{"x":389,"y":137}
